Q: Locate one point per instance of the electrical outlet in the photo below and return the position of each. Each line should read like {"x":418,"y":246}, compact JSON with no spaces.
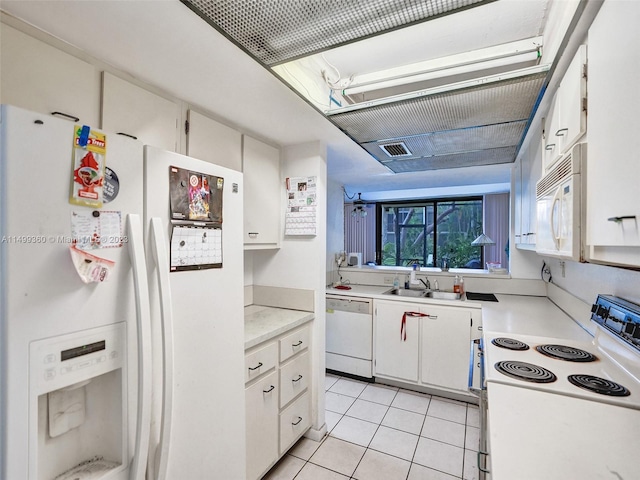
{"x":388,"y":280}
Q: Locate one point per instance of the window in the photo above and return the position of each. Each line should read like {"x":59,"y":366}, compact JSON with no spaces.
{"x":429,"y":231}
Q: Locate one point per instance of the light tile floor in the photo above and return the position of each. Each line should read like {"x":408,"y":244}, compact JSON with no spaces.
{"x":378,"y":432}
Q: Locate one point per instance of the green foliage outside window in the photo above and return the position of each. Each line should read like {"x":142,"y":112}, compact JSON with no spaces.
{"x":411,"y":234}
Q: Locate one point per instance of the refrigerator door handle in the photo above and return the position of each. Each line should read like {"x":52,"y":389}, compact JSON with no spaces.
{"x":161,"y":257}
{"x":143,"y":318}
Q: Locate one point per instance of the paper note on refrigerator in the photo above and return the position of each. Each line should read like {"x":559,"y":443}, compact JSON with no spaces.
{"x":92,"y":229}
{"x":195,"y":247}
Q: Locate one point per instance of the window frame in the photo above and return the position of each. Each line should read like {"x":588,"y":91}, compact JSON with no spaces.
{"x":426,"y":203}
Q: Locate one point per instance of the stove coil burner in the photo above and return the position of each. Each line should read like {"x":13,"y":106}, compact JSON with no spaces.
{"x":509,"y":343}
{"x":563,"y":352}
{"x":599,"y":385}
{"x":525,"y":371}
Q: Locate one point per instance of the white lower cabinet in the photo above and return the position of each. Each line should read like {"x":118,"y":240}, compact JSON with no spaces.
{"x":444,"y":345}
{"x":396,"y":353}
{"x":434,"y":353}
{"x":294,"y":421}
{"x":278,"y":402}
{"x":294,"y":378}
{"x":262,"y":424}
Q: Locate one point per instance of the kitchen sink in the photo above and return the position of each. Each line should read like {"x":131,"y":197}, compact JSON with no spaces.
{"x":406,"y":292}
{"x":438,"y":295}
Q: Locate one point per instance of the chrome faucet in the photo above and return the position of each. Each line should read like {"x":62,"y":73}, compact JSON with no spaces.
{"x":426,"y":284}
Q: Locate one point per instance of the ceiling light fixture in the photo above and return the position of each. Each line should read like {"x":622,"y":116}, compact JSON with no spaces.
{"x":359,"y":208}
{"x":515,"y":53}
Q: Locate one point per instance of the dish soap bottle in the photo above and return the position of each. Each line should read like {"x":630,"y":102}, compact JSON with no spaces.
{"x":396,"y":282}
{"x":456,"y":284}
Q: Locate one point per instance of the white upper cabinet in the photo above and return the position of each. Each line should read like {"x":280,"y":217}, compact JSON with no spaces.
{"x":130,"y":110}
{"x":263,"y":191}
{"x":41,"y":78}
{"x":213,"y":142}
{"x":566,"y":121}
{"x":527,"y":173}
{"x":613,"y":169}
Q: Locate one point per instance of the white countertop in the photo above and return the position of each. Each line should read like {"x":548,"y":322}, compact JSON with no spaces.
{"x":264,"y":323}
{"x":526,"y":315}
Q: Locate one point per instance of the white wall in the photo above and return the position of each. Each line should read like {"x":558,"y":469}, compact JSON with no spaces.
{"x":301,"y":261}
{"x":587,"y":280}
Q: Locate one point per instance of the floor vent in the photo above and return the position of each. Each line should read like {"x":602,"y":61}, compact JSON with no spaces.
{"x":396,"y":150}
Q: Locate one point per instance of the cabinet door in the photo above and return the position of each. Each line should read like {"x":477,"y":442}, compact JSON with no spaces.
{"x":394,"y":355}
{"x":613,"y":209}
{"x":262,"y":194}
{"x":572,"y":116}
{"x":445,"y":340}
{"x":214,"y":142}
{"x":41,"y":78}
{"x":530,"y":171}
{"x":262,"y":425}
{"x":551,"y":147}
{"x":131,"y":110}
{"x":517,"y":192}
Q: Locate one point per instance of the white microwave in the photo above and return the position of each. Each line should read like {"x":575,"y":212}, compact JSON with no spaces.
{"x":560,"y":195}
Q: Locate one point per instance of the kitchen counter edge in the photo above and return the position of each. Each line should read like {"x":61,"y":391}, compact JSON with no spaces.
{"x":264,"y":323}
{"x":377,"y":292}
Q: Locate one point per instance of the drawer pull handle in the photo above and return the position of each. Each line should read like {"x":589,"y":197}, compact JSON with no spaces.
{"x":551,"y":146}
{"x":296,"y":423}
{"x":297,"y":344}
{"x":253,"y":234}
{"x":66,"y":115}
{"x":479,"y":466}
{"x":297,"y":379}
{"x":256,"y":367}
{"x":269,"y":390}
{"x":561,"y":132}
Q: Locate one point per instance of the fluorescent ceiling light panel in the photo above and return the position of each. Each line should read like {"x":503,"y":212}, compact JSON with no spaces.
{"x":507,"y":53}
{"x":445,"y":72}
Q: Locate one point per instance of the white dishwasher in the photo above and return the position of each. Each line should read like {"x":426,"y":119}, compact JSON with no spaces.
{"x":350,"y":335}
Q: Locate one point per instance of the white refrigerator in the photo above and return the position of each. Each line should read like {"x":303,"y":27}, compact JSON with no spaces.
{"x":198,"y":422}
{"x":84,"y":369}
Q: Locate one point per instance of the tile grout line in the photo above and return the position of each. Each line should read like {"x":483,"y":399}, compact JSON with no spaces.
{"x":379,"y":424}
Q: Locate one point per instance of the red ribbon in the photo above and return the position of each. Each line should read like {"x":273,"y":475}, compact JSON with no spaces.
{"x":403,"y":325}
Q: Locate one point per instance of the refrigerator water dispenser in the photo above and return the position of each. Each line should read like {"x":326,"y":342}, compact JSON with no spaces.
{"x":78,"y":405}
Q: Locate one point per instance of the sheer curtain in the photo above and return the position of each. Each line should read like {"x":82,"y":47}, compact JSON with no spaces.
{"x":496,"y":227}
{"x":360,"y":232}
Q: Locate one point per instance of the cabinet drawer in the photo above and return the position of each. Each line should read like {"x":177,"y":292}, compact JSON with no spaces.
{"x":294,"y":421}
{"x":294,"y":343}
{"x":260,"y":361}
{"x":294,"y":378}
{"x":262,"y":425}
